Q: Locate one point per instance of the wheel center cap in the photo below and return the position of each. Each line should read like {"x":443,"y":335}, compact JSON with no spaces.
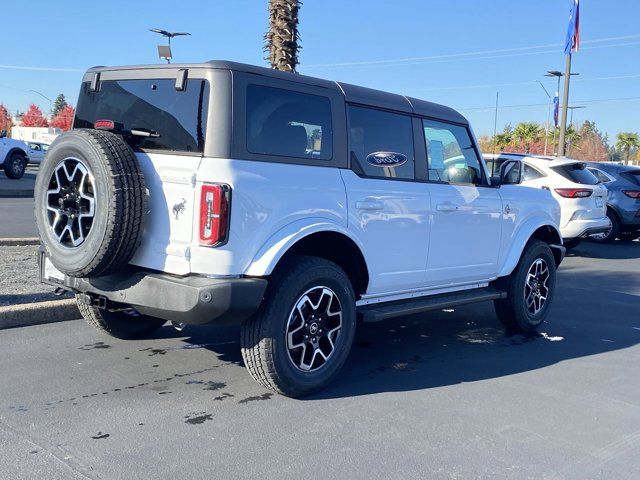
{"x":313,"y":328}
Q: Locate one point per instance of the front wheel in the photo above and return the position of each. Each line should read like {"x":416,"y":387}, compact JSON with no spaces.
{"x":300,"y":338}
{"x":530,"y":289}
{"x":15,"y":166}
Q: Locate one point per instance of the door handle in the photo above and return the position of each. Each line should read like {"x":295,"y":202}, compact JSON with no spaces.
{"x":368,"y":204}
{"x":447,"y":207}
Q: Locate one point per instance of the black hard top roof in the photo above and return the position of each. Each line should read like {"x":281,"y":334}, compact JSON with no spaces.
{"x":352,"y":93}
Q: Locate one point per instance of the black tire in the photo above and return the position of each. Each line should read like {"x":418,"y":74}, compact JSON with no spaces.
{"x":264,"y":336}
{"x":15,"y":166}
{"x":119,"y":193}
{"x":119,"y":324}
{"x":571,"y":243}
{"x":629,"y":236}
{"x":513,"y":311}
{"x":612,"y":234}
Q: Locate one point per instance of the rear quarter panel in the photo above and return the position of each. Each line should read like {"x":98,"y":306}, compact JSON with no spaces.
{"x":268,"y":200}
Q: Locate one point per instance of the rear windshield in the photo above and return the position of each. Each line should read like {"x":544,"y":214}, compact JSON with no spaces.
{"x":178,"y":120}
{"x":633,"y":176}
{"x":577,"y":173}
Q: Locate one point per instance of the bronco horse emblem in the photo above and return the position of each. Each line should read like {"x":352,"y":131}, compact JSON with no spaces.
{"x":178,"y":208}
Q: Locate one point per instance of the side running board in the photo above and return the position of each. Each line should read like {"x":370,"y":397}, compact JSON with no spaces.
{"x":382,"y":311}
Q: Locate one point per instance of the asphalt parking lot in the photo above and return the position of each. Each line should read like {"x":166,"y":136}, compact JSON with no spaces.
{"x":441,"y":395}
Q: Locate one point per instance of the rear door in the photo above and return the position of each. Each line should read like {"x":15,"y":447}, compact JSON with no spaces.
{"x":169,"y":153}
{"x":388,"y":208}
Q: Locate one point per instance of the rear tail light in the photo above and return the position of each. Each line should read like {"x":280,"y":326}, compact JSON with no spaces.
{"x":215,"y":206}
{"x":574,"y":192}
{"x":632,"y":193}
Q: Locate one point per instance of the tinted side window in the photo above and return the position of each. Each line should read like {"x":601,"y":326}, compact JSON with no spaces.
{"x":601,"y":176}
{"x":380,"y":143}
{"x":451,"y":155}
{"x":287,"y":123}
{"x":633,"y":176}
{"x":577,"y":173}
{"x":178,"y":119}
{"x":530,"y":173}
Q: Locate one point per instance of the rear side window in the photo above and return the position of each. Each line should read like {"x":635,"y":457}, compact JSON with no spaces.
{"x":600,"y":175}
{"x":633,"y":176}
{"x":577,"y":173}
{"x":177,"y":120}
{"x":380,"y":144}
{"x":530,"y":173}
{"x":289,"y":124}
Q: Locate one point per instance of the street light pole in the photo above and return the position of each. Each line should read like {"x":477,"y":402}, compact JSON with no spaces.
{"x":546,"y":130}
{"x":565,"y":104}
{"x":558,"y":75}
{"x":572,"y":108}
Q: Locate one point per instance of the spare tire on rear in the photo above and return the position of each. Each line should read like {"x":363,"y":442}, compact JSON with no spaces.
{"x":90,"y":202}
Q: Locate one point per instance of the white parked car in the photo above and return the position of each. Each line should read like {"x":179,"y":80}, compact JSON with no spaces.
{"x":582,"y":198}
{"x":13,"y":157}
{"x":36,"y":152}
{"x":223,"y":192}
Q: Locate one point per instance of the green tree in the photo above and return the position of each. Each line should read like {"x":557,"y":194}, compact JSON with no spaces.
{"x":281,"y":40}
{"x":503,"y":139}
{"x":572,"y":137}
{"x":59,"y":105}
{"x":527,"y":133}
{"x":627,"y":142}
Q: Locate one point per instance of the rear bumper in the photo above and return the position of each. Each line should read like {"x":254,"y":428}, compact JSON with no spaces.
{"x":192,"y":300}
{"x":584,"y":228}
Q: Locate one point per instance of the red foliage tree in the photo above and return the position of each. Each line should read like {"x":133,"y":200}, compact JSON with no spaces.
{"x":5,"y":120}
{"x":34,"y":117}
{"x":64,"y":119}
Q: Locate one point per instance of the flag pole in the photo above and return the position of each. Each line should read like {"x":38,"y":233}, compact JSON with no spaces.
{"x":565,"y":104}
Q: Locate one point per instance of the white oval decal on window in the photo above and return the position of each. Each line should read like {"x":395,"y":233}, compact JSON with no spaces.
{"x":386,"y":159}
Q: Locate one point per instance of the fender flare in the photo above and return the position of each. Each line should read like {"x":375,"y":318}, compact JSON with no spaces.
{"x":14,"y":150}
{"x":521,"y":238}
{"x":278,"y":244}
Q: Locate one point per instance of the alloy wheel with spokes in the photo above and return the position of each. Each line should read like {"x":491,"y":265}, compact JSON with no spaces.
{"x":17,"y":166}
{"x":313,"y":328}
{"x":604,"y":235}
{"x":536,"y":288}
{"x":71,"y":202}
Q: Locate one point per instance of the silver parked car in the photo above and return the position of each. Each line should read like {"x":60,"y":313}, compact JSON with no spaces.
{"x":623,"y":203}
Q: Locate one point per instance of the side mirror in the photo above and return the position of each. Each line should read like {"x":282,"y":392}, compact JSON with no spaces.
{"x":510,"y":173}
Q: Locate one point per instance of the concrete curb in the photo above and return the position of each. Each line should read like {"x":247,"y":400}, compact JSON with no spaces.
{"x":15,"y":242}
{"x":26,"y":314}
{"x":16,"y":192}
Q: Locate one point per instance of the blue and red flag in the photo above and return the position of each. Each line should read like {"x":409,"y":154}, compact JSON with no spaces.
{"x":572,"y":43}
{"x":556,"y":108}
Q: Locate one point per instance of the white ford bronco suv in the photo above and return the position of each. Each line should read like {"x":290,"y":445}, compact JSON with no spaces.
{"x":222,"y":192}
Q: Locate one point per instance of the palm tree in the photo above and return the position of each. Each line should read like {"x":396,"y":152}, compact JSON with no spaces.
{"x":503,"y":139}
{"x":281,"y":41}
{"x":627,"y":141}
{"x":571,"y":136}
{"x":527,"y":133}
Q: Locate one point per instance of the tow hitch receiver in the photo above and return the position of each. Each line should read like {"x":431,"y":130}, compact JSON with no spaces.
{"x":93,"y":300}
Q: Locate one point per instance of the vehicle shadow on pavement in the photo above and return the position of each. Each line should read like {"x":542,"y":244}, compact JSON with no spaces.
{"x":618,"y":250}
{"x":469,"y":344}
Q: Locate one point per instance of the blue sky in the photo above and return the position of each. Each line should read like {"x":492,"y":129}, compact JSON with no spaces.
{"x":454,"y":52}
